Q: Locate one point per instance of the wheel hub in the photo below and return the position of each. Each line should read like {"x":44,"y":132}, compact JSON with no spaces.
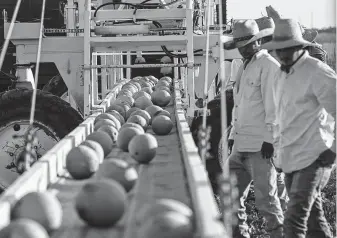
{"x":12,"y":145}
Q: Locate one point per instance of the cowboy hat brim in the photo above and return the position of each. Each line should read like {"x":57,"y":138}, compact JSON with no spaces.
{"x":263,"y":33}
{"x":276,"y":45}
{"x":231,"y":44}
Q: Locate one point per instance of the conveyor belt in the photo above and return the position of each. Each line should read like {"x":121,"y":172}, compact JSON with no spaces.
{"x":163,"y":178}
{"x":176,"y":172}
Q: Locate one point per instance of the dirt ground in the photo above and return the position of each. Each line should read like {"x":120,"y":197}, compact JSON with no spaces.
{"x":256,"y":222}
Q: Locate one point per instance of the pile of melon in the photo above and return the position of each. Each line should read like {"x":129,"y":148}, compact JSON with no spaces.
{"x":102,"y":202}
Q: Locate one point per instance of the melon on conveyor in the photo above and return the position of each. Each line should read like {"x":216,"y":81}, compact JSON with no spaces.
{"x":163,"y":83}
{"x":125,"y":100}
{"x":110,"y":130}
{"x":167,"y":89}
{"x":147,"y":90}
{"x":134,"y":125}
{"x":165,"y":205}
{"x":143,"y":102}
{"x":117,"y":115}
{"x":166,"y":78}
{"x":23,"y":228}
{"x":163,"y":113}
{"x":138,"y":120}
{"x":125,"y":135}
{"x":108,"y":116}
{"x":42,"y":207}
{"x":120,"y":171}
{"x":143,"y":114}
{"x":162,"y":125}
{"x":143,"y":148}
{"x":96,"y":147}
{"x":140,"y":94}
{"x":118,"y":108}
{"x":101,"y":203}
{"x":104,"y":122}
{"x":103,"y":139}
{"x":82,"y":162}
{"x":161,"y":98}
{"x":133,"y":109}
{"x":167,"y":225}
{"x":153,"y":110}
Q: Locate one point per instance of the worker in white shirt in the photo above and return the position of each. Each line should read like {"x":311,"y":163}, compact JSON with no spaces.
{"x":251,"y":140}
{"x":266,"y":27}
{"x":305,"y":96}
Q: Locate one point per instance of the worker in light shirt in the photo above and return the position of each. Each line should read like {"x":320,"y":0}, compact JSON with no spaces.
{"x":250,"y":139}
{"x":305,"y":97}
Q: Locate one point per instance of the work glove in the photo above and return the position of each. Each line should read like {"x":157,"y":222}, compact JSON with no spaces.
{"x":327,"y":158}
{"x":267,"y":150}
{"x":230,"y":145}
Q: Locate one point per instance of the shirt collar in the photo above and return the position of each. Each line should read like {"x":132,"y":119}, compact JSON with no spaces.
{"x":300,"y":62}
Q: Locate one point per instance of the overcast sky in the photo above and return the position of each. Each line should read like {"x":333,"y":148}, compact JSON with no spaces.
{"x":311,"y":13}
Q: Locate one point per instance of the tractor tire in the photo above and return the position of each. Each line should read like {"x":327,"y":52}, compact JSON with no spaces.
{"x":55,"y":86}
{"x":53,"y":120}
{"x":50,"y":110}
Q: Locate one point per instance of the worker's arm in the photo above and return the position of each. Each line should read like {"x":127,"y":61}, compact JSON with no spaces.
{"x":268,"y":75}
{"x":324,"y":88}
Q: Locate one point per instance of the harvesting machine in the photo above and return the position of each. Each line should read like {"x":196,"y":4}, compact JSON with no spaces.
{"x":94,"y":54}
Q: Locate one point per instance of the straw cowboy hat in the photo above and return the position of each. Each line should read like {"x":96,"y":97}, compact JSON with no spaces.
{"x":243,"y":34}
{"x":308,"y":34}
{"x":266,"y":26}
{"x":287,"y":34}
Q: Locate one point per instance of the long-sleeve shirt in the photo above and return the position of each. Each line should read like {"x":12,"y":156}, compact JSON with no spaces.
{"x":305,"y":101}
{"x":254,"y":109}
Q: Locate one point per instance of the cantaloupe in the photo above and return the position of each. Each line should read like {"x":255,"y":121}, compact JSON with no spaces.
{"x":147,"y":90}
{"x":125,"y":92}
{"x":116,"y":121}
{"x":96,"y":147}
{"x":161,"y":98}
{"x":117,"y":115}
{"x":115,"y":107}
{"x":153,"y":78}
{"x":104,"y":122}
{"x":165,"y":205}
{"x":127,"y":99}
{"x":163,"y":113}
{"x":111,"y":131}
{"x":166,"y":78}
{"x":103,"y":139}
{"x":139,"y":87}
{"x":143,"y":102}
{"x":23,"y":228}
{"x":108,"y":116}
{"x":163,"y":83}
{"x":138,"y":120}
{"x":42,"y":207}
{"x":143,"y":114}
{"x":140,"y":94}
{"x":167,"y":89}
{"x":167,"y":225}
{"x":125,"y":135}
{"x":143,"y":148}
{"x":162,"y":125}
{"x":120,"y":171}
{"x":134,"y":125}
{"x":133,"y":109}
{"x":101,"y":203}
{"x":152,"y":110}
{"x":82,"y":162}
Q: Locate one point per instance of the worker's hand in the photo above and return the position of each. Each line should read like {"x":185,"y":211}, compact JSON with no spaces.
{"x":327,"y":158}
{"x":230,"y":145}
{"x":267,"y":150}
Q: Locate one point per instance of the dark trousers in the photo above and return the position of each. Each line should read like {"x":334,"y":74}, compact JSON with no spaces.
{"x":305,"y":216}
